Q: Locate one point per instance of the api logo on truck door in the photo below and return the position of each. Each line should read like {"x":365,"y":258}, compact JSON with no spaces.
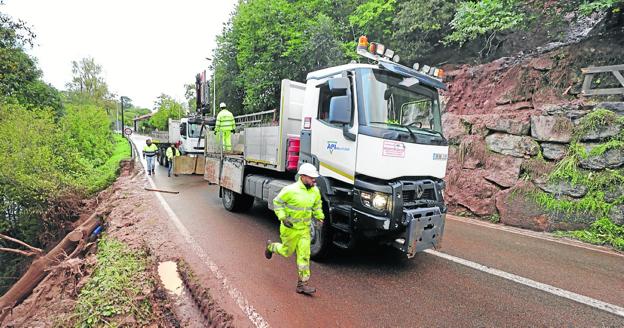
{"x":333,"y":146}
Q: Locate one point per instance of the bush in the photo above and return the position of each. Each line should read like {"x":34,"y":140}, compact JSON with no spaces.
{"x":484,"y":18}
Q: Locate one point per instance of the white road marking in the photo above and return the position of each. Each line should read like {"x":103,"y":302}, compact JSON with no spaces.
{"x":236,"y":295}
{"x":536,"y":235}
{"x":614,"y":309}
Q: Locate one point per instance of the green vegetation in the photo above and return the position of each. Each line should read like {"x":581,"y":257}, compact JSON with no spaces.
{"x":266,"y":41}
{"x":166,"y":108}
{"x":57,"y":147}
{"x":484,"y":18}
{"x":598,"y":183}
{"x":588,"y":6}
{"x":115,"y":289}
{"x":601,"y":232}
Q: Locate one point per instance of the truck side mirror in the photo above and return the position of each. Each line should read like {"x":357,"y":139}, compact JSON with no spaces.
{"x":339,"y":85}
{"x":340,"y":110}
{"x":340,"y":103}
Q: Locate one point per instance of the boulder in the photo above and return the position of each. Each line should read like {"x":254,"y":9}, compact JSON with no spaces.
{"x":503,"y":170}
{"x":474,"y":152}
{"x":509,"y":125}
{"x":518,"y":210}
{"x":552,"y":128}
{"x":617,"y":214}
{"x":611,"y":195}
{"x":554,"y":151}
{"x":512,"y":145}
{"x":469,"y":189}
{"x":562,"y":188}
{"x":522,"y":105}
{"x":572,"y":111}
{"x":617,"y":107}
{"x":612,"y":158}
{"x":602,"y":132}
{"x":542,"y":64}
{"x":454,"y":127}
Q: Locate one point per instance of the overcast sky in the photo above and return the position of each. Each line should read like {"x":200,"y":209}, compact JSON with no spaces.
{"x":146,"y":47}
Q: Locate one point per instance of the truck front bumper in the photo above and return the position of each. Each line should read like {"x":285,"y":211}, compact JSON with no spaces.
{"x":424,"y":230}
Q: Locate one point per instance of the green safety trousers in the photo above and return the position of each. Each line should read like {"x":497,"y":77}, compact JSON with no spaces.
{"x":225,"y":138}
{"x":295,"y":240}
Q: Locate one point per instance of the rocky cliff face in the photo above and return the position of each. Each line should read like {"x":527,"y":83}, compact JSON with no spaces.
{"x":527,"y":148}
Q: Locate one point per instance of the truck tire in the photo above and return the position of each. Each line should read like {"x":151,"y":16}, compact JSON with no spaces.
{"x":235,"y":202}
{"x":321,"y":244}
{"x":161,"y":157}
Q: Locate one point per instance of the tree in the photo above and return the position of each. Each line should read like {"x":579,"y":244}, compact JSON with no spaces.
{"x":190,"y":96}
{"x":166,"y":108}
{"x":20,"y":80}
{"x":87,"y":79}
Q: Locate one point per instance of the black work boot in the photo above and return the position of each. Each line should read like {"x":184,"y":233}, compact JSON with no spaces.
{"x":303,"y":288}
{"x":267,"y":252}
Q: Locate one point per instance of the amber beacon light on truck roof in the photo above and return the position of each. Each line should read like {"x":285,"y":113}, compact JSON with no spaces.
{"x":379,"y":52}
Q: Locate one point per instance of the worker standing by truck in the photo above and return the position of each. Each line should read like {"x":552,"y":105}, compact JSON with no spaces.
{"x":224,"y":127}
{"x":296,"y":206}
{"x":171,"y":153}
{"x":149,"y":154}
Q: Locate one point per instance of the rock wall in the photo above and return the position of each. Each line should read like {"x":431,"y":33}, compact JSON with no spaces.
{"x":513,"y":122}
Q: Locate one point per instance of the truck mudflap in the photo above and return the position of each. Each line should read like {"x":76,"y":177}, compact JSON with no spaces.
{"x":425,"y":227}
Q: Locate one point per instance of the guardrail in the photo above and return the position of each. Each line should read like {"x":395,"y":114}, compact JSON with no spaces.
{"x":255,"y":117}
{"x":589,"y":73}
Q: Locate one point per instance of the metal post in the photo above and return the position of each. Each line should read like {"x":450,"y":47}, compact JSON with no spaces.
{"x":122,"y":115}
{"x":214,"y":93}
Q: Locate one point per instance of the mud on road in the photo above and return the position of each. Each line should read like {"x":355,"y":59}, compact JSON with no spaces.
{"x":136,"y":219}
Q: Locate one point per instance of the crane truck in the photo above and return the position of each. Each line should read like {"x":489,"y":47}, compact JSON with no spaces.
{"x":373,"y":130}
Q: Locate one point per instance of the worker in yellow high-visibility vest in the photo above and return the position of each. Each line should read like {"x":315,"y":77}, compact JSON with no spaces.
{"x":172,"y":152}
{"x":224,"y":127}
{"x":296,"y":206}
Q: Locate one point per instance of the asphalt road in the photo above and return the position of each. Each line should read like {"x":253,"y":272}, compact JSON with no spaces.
{"x":370,"y":287}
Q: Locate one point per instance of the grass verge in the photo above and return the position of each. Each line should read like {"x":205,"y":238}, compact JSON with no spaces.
{"x":116,"y":290}
{"x":103,"y":175}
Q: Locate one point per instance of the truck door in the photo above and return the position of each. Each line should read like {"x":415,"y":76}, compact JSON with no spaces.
{"x":333,"y":143}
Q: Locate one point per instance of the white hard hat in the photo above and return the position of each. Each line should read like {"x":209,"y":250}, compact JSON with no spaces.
{"x":222,"y":105}
{"x":309,"y":170}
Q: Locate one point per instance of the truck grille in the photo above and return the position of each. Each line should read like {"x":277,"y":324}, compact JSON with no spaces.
{"x":410,"y":195}
{"x":421,"y":190}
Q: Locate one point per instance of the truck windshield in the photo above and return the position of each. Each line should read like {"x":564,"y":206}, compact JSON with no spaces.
{"x":391,"y":101}
{"x":194,"y":130}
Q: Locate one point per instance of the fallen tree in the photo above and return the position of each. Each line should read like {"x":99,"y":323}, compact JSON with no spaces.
{"x":70,"y":246}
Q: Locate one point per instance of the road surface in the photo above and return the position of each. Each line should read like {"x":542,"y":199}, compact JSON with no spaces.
{"x":485,"y":275}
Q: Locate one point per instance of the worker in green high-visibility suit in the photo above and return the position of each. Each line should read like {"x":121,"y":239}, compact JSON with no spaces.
{"x":296,"y":206}
{"x":224,"y":127}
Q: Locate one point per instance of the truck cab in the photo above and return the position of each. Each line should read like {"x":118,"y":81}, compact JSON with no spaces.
{"x":191,"y":135}
{"x":374,"y":132}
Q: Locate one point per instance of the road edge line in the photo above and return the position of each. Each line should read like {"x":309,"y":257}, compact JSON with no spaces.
{"x":234,"y":293}
{"x":604,"y":306}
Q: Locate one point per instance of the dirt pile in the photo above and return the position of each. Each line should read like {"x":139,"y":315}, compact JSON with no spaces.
{"x":511,"y":121}
{"x":134,"y":218}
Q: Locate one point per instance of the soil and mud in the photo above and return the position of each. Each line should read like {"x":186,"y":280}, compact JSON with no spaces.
{"x":131,"y":215}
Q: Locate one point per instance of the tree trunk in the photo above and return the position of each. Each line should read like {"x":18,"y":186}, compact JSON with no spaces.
{"x":39,"y":267}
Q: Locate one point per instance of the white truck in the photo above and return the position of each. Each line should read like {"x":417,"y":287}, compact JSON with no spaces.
{"x":374,"y":133}
{"x":189,"y":131}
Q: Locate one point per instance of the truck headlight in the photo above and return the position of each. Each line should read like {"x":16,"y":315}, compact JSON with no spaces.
{"x":377,"y":201}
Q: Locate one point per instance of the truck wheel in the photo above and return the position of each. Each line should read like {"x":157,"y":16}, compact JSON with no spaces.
{"x":321,"y":244}
{"x":235,"y":202}
{"x":161,"y":157}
